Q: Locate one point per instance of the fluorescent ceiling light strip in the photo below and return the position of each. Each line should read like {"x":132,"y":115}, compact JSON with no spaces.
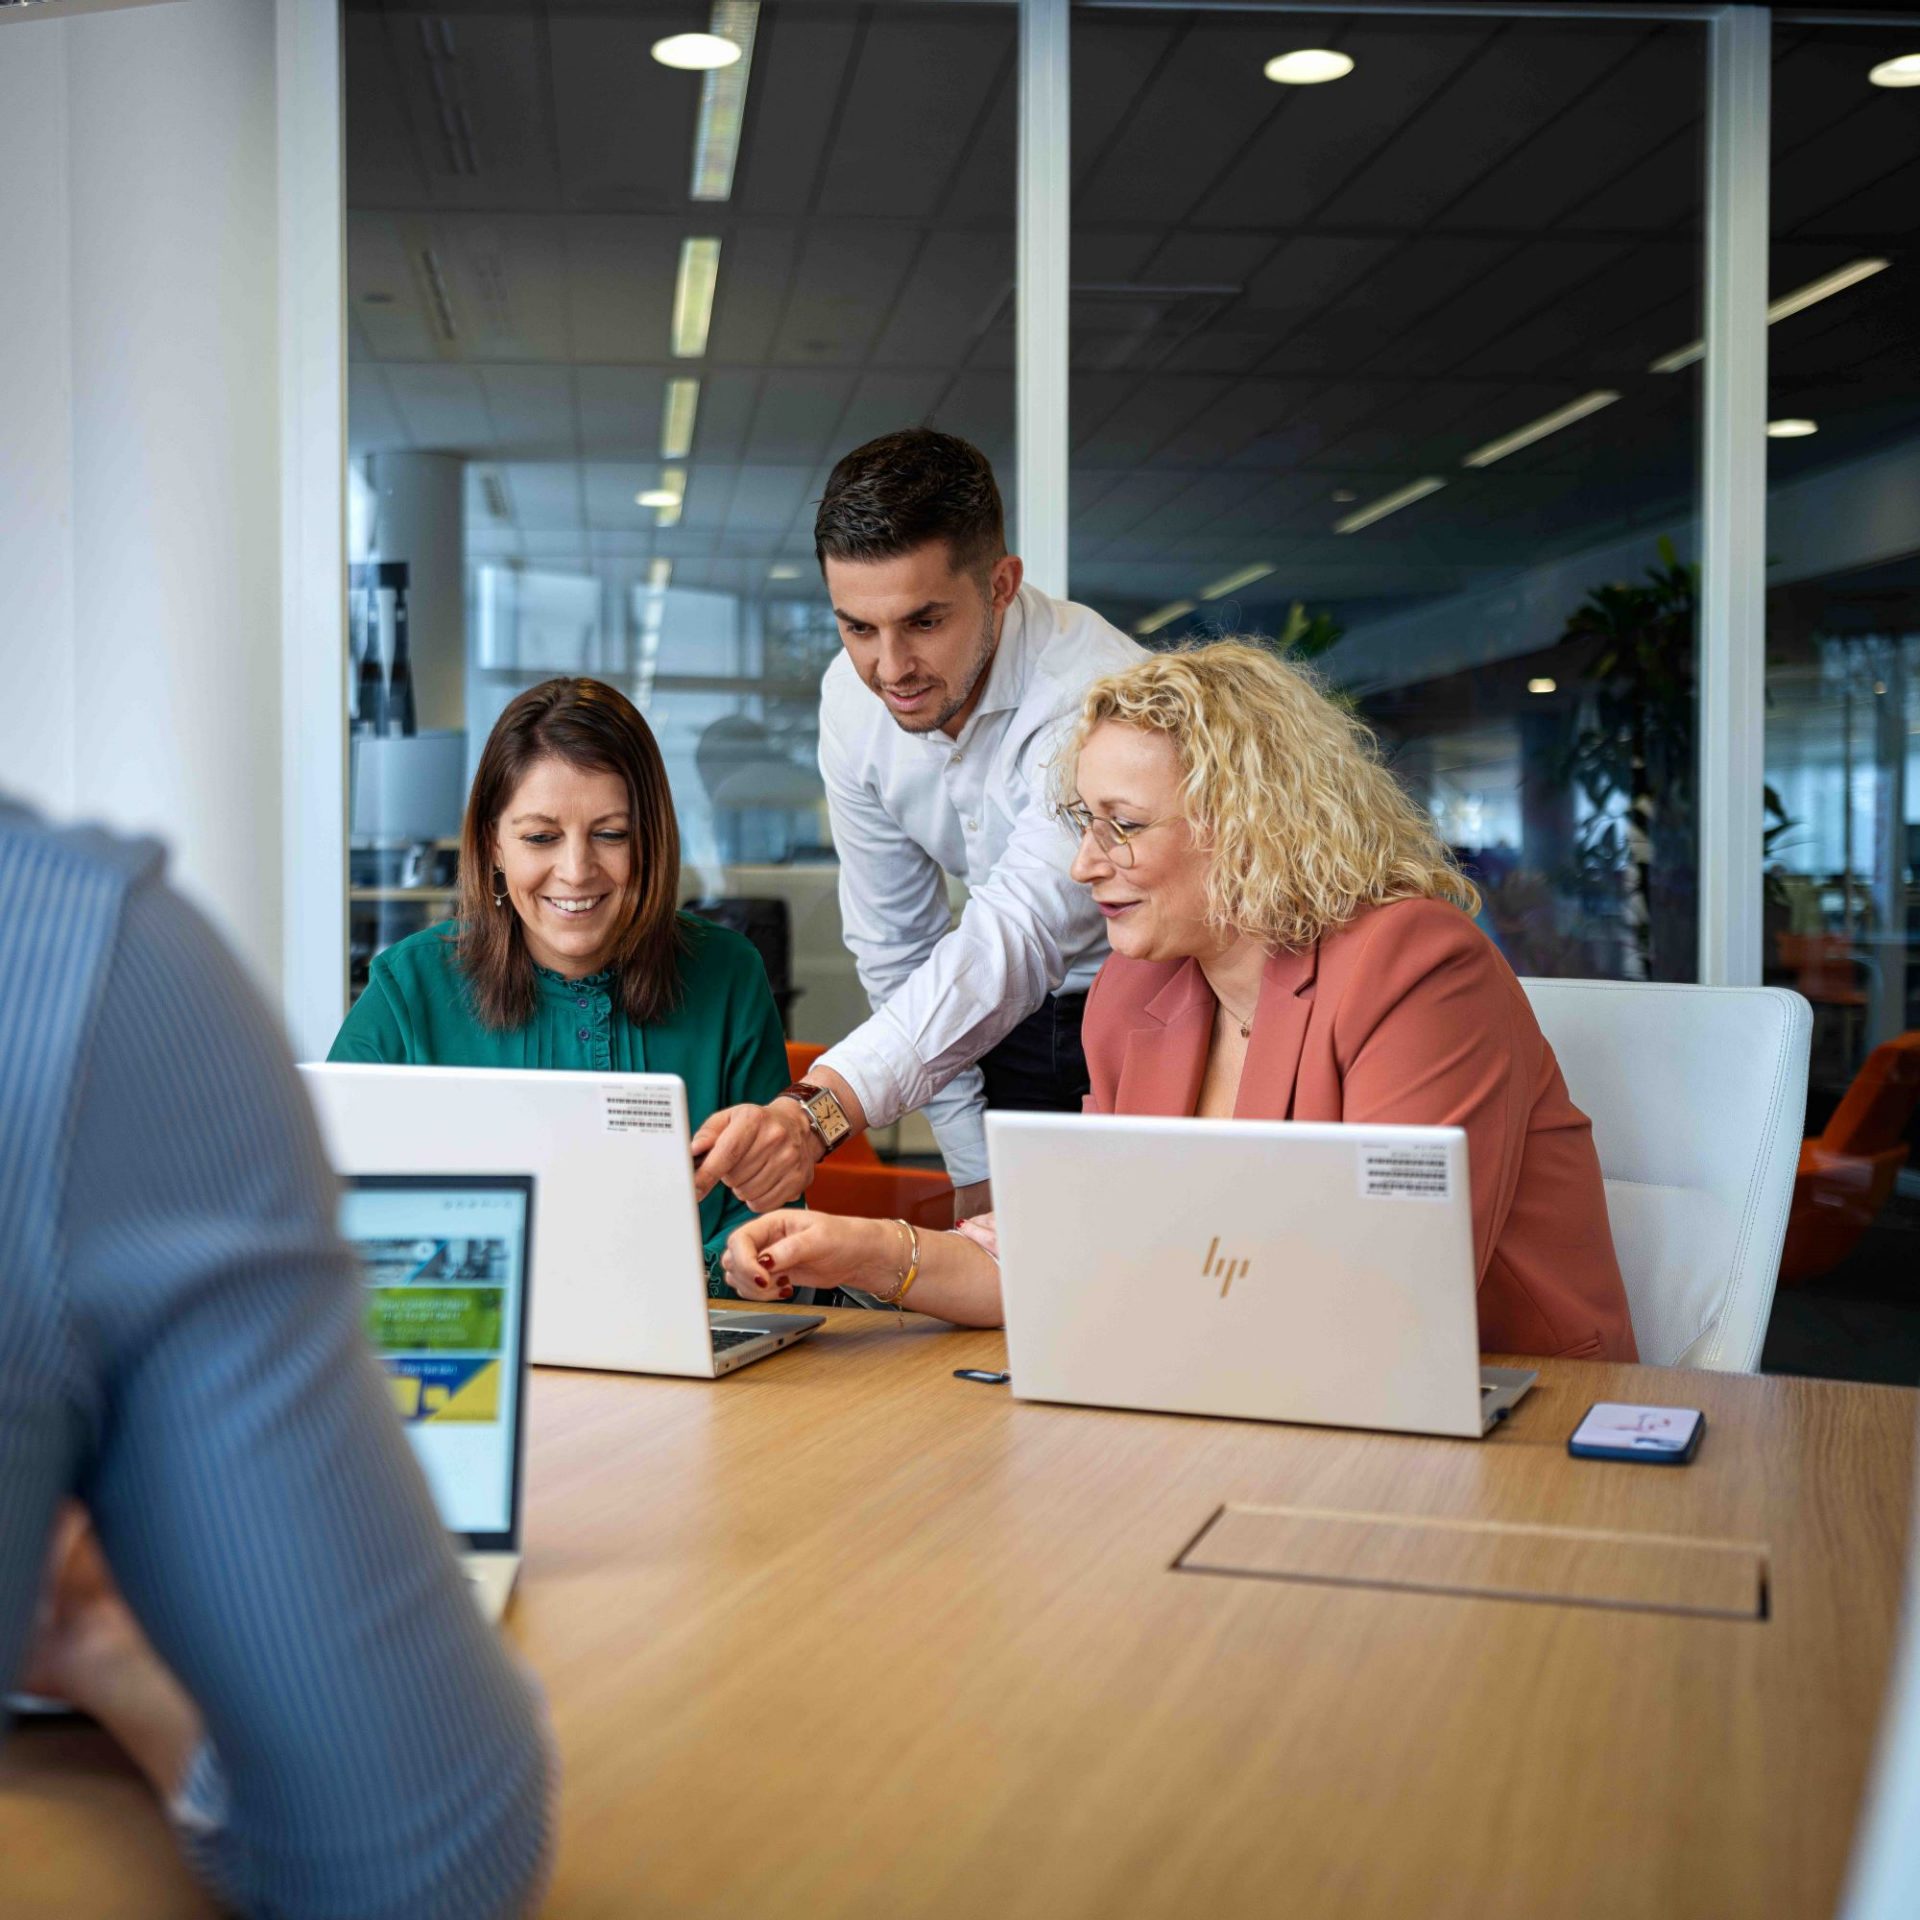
{"x":677,"y":417}
{"x":1162,"y":616}
{"x":1685,"y":357}
{"x":723,"y":104}
{"x":659,"y":575}
{"x":693,"y":290}
{"x":1233,"y":582}
{"x":1788,"y":304}
{"x":673,"y":480}
{"x":1817,"y":290}
{"x":1539,"y":429}
{"x":1386,"y":504}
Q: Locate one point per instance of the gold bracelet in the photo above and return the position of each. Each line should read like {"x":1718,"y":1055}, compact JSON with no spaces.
{"x":912,"y":1272}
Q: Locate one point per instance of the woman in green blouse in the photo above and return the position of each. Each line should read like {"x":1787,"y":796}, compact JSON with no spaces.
{"x":568,"y":950}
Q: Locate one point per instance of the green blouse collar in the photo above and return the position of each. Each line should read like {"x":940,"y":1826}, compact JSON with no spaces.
{"x":551,"y":982}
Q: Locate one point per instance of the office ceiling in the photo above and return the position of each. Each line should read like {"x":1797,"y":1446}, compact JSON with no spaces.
{"x":1282,"y":294}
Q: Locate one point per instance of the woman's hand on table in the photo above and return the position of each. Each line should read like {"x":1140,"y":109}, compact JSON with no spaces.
{"x":768,"y":1257}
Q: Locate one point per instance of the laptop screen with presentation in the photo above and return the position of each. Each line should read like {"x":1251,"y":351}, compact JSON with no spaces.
{"x":445,"y":1258}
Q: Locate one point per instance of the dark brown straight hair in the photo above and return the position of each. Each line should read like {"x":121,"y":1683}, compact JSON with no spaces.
{"x":595,"y":727}
{"x":899,"y":492}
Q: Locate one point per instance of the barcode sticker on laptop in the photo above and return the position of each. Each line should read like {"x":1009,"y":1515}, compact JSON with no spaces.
{"x":639,"y":1110}
{"x":1405,"y":1173}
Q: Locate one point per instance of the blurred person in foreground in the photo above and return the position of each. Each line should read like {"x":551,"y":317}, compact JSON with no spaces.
{"x":296,"y":1665}
{"x":1291,"y":941}
{"x":568,"y":950}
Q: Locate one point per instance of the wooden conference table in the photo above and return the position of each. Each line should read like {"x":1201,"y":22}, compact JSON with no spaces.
{"x":845,"y":1635}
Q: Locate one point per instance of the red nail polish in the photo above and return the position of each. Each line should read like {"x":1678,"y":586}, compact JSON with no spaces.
{"x":766,"y":1260}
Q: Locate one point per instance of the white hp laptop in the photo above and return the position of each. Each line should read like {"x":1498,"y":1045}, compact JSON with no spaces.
{"x":623,"y":1281}
{"x":446,"y":1261}
{"x":1258,"y":1269}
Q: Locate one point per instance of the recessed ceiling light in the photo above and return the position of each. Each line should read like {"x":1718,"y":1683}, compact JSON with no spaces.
{"x":1904,"y":71}
{"x":696,"y":52}
{"x":1386,"y":504}
{"x":1308,"y":67}
{"x":784,"y":571}
{"x":665,"y":499}
{"x":1233,"y":582}
{"x":677,"y":417}
{"x":1163,"y":616}
{"x":1788,"y":304}
{"x":1539,"y":429}
{"x":1791,"y":429}
{"x":693,"y":290}
{"x":1543,"y":685}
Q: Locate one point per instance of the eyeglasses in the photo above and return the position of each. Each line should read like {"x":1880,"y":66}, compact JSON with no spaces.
{"x":1113,"y":839}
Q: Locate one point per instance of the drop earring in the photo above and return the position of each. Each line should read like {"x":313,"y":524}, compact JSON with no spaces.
{"x":499,"y":887}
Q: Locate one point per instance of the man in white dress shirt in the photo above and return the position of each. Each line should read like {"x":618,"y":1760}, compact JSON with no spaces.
{"x":937,"y":722}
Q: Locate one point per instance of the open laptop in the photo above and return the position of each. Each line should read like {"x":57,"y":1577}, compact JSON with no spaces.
{"x":1259,"y":1269}
{"x":446,"y":1259}
{"x":623,"y":1282}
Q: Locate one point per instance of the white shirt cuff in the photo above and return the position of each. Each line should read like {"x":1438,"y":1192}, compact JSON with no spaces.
{"x":864,"y":1068}
{"x":962,"y":1138}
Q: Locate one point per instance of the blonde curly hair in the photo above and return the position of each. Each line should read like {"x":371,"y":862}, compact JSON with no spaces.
{"x":1284,"y":788}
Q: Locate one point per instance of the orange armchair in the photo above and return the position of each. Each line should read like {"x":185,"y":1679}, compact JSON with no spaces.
{"x":1847,"y":1172}
{"x":855,"y":1180}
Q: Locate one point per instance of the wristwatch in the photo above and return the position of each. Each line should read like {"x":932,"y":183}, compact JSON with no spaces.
{"x":824,"y":1114}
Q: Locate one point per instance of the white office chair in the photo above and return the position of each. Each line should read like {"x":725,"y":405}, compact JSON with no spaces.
{"x":1698,"y":1099}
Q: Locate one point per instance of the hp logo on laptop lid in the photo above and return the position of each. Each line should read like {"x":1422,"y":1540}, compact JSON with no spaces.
{"x":1229,"y":1270}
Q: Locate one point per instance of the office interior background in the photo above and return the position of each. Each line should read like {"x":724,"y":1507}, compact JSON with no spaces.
{"x":1413,"y":368}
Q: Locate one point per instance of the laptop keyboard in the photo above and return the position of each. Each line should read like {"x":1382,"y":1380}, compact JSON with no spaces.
{"x":727,"y":1337}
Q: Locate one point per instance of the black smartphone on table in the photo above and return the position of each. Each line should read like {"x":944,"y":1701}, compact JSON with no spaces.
{"x":1660,"y":1436}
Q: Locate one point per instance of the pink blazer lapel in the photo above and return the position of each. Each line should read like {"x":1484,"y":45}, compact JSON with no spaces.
{"x":1161,"y":1070}
{"x":1272,"y":1068}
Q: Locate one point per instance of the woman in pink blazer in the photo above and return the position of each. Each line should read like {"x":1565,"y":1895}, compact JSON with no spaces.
{"x":1290,"y":942}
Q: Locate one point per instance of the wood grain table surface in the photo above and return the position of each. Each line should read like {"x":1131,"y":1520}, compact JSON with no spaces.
{"x":842,"y":1634}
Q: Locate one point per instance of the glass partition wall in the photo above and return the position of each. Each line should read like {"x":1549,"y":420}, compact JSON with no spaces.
{"x":1379,"y":332}
{"x":1843,"y":683}
{"x":1386,"y":341}
{"x":611,"y":321}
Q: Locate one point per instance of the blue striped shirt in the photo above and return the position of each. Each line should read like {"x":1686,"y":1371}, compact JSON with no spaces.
{"x":180,"y":1350}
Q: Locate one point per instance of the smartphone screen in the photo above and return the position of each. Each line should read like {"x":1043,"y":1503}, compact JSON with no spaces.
{"x":1615,"y":1430}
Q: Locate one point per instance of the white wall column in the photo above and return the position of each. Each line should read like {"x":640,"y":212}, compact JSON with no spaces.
{"x":149,"y":456}
{"x":313,"y":547}
{"x":183,"y":222}
{"x":1042,"y":285}
{"x":1733,"y":611}
{"x":36,"y":426}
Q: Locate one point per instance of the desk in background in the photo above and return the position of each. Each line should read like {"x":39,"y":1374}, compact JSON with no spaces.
{"x":844,"y":1635}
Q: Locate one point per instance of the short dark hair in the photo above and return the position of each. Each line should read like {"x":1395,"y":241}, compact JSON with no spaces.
{"x":905,"y":489}
{"x":591,"y":725}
